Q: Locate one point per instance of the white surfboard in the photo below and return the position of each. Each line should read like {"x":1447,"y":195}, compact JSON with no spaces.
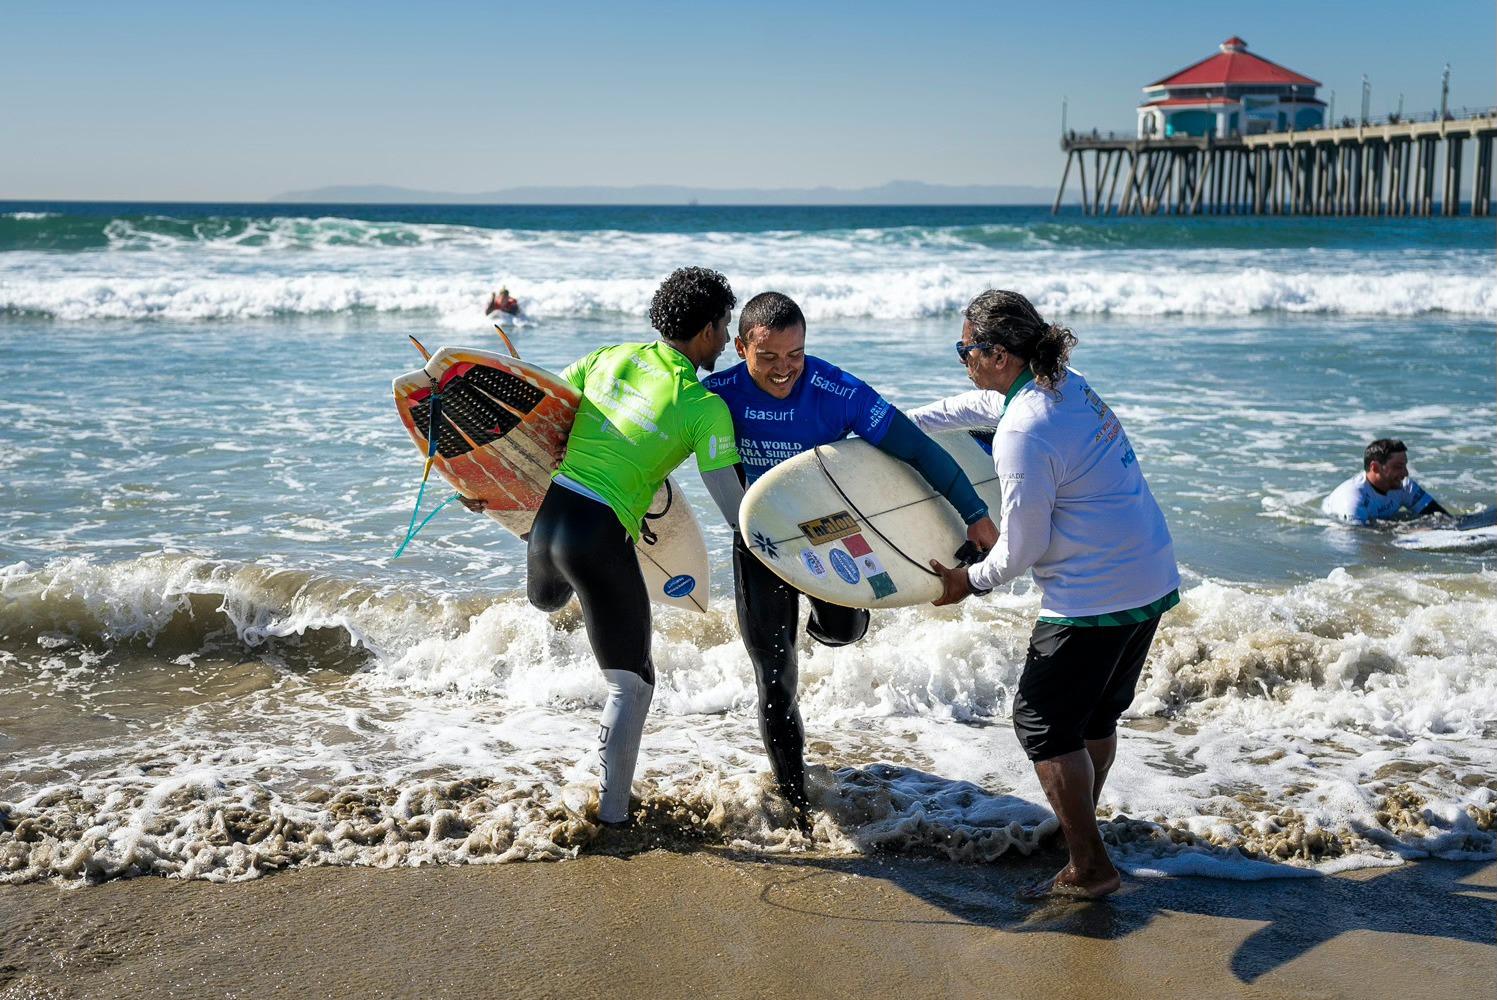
{"x":504,"y":429}
{"x":848,"y":524}
{"x":1470,"y":531}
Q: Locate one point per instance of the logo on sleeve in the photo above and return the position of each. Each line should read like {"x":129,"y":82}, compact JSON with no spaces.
{"x":825,"y":385}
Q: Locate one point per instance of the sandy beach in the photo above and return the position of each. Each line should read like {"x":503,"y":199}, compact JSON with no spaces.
{"x":715,"y":923}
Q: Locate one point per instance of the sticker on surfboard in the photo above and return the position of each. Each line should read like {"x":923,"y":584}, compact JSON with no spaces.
{"x":822,"y":530}
{"x":680,"y":586}
{"x":846,"y":568}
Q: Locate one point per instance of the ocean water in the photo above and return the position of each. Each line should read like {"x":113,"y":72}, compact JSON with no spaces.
{"x":210,"y":665}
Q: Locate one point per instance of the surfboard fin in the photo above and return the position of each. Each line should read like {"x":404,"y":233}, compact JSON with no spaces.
{"x":425,"y":354}
{"x":505,"y":337}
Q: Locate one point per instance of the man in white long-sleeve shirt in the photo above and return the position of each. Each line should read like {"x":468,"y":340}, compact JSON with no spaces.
{"x":1077,"y":513}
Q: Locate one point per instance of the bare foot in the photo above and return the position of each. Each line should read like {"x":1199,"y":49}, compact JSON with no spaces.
{"x":1069,"y":883}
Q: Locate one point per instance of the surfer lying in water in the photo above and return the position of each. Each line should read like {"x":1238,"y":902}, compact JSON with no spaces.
{"x":641,"y":413}
{"x":1077,"y":511}
{"x":502,"y":302}
{"x":1383,"y":490}
{"x":784,"y":402}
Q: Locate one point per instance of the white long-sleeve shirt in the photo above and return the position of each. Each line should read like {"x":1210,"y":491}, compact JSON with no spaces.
{"x":1075,"y":509}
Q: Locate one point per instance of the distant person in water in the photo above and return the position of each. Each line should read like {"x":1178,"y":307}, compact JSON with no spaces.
{"x":1383,"y":490}
{"x":502,"y":302}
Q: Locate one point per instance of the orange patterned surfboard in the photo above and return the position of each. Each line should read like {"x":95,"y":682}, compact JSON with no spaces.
{"x":503,"y":431}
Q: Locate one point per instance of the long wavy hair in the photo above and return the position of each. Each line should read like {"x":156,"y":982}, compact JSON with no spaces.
{"x":1008,"y":320}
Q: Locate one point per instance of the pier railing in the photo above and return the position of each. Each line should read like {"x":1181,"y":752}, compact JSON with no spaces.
{"x":1392,"y":165}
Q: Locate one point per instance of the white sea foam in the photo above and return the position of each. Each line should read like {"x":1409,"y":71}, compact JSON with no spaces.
{"x":1342,"y":722}
{"x":882,"y":294}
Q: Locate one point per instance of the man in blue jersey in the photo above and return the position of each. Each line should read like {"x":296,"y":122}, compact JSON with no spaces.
{"x":783,"y":403}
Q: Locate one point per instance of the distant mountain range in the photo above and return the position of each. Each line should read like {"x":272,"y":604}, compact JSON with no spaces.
{"x":893,"y":193}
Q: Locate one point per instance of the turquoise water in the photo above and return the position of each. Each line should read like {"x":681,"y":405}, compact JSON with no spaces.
{"x":182,"y":351}
{"x":202,"y":481}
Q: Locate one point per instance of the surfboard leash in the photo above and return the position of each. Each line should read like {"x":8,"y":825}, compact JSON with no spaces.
{"x":871,"y":526}
{"x":433,"y":423}
{"x":647,"y":535}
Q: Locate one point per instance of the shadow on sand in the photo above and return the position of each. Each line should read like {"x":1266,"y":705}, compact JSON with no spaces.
{"x":1429,"y":898}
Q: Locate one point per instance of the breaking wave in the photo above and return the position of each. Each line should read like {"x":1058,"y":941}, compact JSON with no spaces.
{"x":912,"y":293}
{"x":76,"y":268}
{"x":1339,"y":723}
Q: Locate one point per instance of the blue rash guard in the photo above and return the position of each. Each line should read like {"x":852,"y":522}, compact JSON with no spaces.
{"x":826,"y":405}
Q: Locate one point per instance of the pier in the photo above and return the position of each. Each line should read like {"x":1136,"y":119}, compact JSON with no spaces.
{"x":1377,"y":168}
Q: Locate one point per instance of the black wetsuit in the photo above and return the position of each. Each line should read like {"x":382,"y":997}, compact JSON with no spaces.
{"x":826,"y":404}
{"x":768,"y":612}
{"x":577,"y":544}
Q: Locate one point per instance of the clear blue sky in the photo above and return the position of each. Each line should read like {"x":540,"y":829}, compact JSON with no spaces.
{"x":228,"y":100}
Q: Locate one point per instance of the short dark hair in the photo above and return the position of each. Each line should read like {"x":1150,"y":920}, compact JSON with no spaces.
{"x":772,"y":311}
{"x":688,"y":300}
{"x":1008,"y":320}
{"x":1380,"y":451}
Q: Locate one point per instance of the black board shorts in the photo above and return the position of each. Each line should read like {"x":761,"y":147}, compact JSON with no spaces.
{"x":1077,"y":681}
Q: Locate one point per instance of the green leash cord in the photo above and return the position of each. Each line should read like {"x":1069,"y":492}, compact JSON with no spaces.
{"x":413,"y":529}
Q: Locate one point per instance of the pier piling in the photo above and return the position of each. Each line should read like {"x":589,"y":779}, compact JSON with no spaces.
{"x":1389,"y":168}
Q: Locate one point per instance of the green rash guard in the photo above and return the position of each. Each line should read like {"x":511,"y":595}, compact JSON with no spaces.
{"x":642,"y":412}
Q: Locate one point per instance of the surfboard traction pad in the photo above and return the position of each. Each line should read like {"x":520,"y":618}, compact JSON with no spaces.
{"x":478,"y":403}
{"x":482,"y":406}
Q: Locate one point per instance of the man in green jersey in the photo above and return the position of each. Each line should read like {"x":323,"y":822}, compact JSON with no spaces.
{"x":641,"y":413}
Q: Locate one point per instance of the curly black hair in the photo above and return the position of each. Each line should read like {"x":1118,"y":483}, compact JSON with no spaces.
{"x":688,"y":300}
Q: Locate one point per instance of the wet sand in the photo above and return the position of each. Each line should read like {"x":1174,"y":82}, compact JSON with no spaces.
{"x":715,"y":923}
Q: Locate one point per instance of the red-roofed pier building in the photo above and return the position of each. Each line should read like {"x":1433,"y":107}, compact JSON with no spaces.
{"x":1237,"y":134}
{"x":1232,"y":92}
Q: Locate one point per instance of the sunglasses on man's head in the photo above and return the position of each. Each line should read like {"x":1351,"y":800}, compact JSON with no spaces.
{"x":962,"y":350}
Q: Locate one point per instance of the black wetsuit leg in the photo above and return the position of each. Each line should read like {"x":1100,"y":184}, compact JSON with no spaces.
{"x":834,"y":625}
{"x":578,"y":545}
{"x":768,"y":610}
